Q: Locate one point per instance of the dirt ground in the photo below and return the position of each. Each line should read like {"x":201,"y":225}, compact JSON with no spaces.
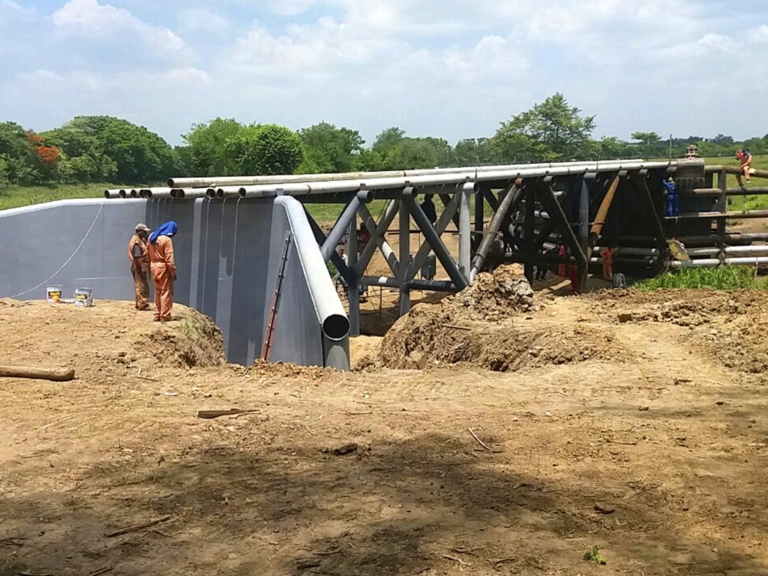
{"x":629,"y":421}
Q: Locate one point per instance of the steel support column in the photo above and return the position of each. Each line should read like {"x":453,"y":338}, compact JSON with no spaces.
{"x":722,"y":184}
{"x":346,"y":272}
{"x":465,"y":231}
{"x":341,"y":226}
{"x":479,"y":219}
{"x":353,"y":294}
{"x":405,"y":254}
{"x":528,"y":225}
{"x":584,"y":215}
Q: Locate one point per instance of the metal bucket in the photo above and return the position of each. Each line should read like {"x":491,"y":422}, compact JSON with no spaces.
{"x":84,"y":297}
{"x":53,"y":293}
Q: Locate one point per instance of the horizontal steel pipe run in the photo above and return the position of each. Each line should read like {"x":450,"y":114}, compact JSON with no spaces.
{"x":736,"y":171}
{"x":759,"y":261}
{"x":297,"y":188}
{"x":745,"y":214}
{"x":293,"y":178}
{"x":729,"y":250}
{"x":756,"y":191}
{"x":386,"y":282}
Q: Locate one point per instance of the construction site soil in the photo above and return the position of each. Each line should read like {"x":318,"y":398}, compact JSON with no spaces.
{"x":493,"y":432}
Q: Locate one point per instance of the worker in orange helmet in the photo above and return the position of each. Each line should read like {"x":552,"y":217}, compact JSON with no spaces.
{"x":137,"y":254}
{"x":163,"y":268}
{"x":745,"y":157}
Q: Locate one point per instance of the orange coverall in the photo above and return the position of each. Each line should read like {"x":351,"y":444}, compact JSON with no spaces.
{"x":140,"y":271}
{"x":163,"y":271}
{"x":607,"y":254}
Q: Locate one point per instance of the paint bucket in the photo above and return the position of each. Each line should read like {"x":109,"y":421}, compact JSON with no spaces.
{"x":53,"y":293}
{"x":84,"y":297}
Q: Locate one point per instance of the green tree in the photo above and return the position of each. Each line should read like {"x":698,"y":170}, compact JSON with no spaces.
{"x":208,"y":147}
{"x":611,"y":148}
{"x":140,"y":155}
{"x":650,"y":144}
{"x":388,"y":139}
{"x":330,"y":149}
{"x":551,"y":131}
{"x":265,"y":150}
{"x":13,"y":140}
{"x":413,"y":153}
{"x":17,"y":160}
{"x":369,"y":161}
{"x":473,"y":152}
{"x":83,"y":157}
{"x":182,"y":159}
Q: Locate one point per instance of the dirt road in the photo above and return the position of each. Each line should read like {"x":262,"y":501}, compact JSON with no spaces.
{"x":652,"y":446}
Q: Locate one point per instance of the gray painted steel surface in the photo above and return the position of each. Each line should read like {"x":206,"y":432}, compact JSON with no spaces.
{"x":226,"y":255}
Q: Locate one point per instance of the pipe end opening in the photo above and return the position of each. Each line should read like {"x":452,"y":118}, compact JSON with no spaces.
{"x":336,"y":327}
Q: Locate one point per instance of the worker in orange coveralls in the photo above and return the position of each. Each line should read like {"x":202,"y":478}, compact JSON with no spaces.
{"x":163,"y":268}
{"x":607,"y":255}
{"x":137,"y":254}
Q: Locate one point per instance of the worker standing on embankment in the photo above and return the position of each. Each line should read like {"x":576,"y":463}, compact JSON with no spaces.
{"x":163,"y":267}
{"x":137,"y":254}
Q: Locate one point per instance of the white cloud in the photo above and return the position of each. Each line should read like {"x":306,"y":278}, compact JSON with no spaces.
{"x":203,"y":21}
{"x":451,"y":68}
{"x":718,"y":42}
{"x":759,"y":34}
{"x":89,"y":19}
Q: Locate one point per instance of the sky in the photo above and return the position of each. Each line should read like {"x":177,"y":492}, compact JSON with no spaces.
{"x":446,"y":68}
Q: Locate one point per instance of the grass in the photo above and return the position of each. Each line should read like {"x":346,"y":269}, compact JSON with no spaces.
{"x":18,"y":196}
{"x":725,"y":278}
{"x":593,"y":555}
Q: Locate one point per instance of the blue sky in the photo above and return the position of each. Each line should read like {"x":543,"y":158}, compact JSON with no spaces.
{"x":448,"y":68}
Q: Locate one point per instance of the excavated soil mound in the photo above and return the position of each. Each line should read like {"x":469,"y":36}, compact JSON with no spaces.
{"x":681,"y":307}
{"x":192,"y":340}
{"x":109,"y":335}
{"x":493,"y":296}
{"x":489,"y":324}
{"x":729,"y":325}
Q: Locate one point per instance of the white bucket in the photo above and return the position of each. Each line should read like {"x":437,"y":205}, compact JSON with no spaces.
{"x":84,"y":297}
{"x":53,"y":293}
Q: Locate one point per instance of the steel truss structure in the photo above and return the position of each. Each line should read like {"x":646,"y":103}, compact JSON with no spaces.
{"x":537,"y":212}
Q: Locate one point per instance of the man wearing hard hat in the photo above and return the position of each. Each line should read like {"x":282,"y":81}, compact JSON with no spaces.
{"x":137,"y":254}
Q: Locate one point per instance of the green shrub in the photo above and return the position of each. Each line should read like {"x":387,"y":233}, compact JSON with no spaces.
{"x":725,"y":278}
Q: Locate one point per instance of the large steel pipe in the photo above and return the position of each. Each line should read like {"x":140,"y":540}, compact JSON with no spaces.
{"x":213,"y":181}
{"x":511,"y":199}
{"x":758,"y":261}
{"x":292,"y":187}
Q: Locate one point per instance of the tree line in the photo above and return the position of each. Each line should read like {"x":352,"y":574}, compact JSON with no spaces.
{"x":108,"y":149}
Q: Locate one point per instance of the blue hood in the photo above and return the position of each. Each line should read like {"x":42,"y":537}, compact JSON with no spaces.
{"x":167,"y":229}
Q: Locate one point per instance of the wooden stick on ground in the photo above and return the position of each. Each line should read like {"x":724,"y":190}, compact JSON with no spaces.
{"x":479,"y":441}
{"x":454,"y":327}
{"x":55,"y":374}
{"x":211,"y":414}
{"x":137,"y":527}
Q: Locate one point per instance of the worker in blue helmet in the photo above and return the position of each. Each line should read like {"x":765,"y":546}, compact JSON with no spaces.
{"x":673,"y":197}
